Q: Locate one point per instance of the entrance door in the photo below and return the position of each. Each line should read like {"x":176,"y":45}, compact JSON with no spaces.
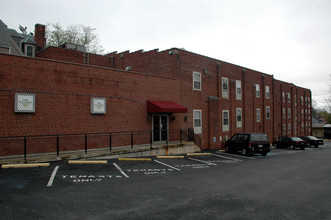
{"x":160,"y":127}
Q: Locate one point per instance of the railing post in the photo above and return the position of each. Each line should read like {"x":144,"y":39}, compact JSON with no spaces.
{"x":85,"y":143}
{"x":110,"y":142}
{"x":180,"y":136}
{"x":151,"y":137}
{"x":131,"y":140}
{"x":25,"y":148}
{"x":57,"y":146}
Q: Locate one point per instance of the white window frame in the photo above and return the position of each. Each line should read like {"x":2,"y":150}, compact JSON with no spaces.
{"x":288,"y":97}
{"x":196,"y":80}
{"x":267,"y":92}
{"x":258,"y":115}
{"x":225,"y":92}
{"x":284,"y":114}
{"x":289,"y":112}
{"x":239,"y":114}
{"x":267,"y":110}
{"x":257,"y":91}
{"x":197,"y":129}
{"x":289,"y":128}
{"x":238,"y":89}
{"x":283,"y":96}
{"x":284,"y":129}
{"x":226,"y":126}
{"x":26,"y":50}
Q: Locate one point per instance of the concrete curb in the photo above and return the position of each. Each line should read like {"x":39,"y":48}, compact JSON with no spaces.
{"x":198,"y":154}
{"x":170,"y":157}
{"x":87,"y":162}
{"x":32,"y":165}
{"x":134,"y":159}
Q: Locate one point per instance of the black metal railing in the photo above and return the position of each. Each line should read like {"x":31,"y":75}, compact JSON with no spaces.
{"x":39,"y":144}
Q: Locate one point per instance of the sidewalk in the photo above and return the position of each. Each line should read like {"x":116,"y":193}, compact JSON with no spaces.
{"x":123,"y":151}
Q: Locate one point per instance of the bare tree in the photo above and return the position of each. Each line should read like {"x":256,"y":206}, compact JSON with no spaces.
{"x":76,"y":34}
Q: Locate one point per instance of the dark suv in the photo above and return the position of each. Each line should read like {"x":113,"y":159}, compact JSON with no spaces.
{"x":248,"y":143}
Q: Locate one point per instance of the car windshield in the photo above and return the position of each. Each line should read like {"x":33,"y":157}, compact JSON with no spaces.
{"x":312,"y":138}
{"x":296,"y":139}
{"x":259,"y":137}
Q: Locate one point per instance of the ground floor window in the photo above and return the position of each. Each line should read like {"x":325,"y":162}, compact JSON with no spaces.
{"x":268,"y":112}
{"x":239,"y":117}
{"x":258,"y":115}
{"x":225,"y":120}
{"x":197,"y":121}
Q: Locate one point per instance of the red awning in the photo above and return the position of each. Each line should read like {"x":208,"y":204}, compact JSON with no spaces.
{"x":165,"y":107}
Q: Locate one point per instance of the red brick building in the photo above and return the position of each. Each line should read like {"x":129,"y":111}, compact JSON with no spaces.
{"x":171,"y":89}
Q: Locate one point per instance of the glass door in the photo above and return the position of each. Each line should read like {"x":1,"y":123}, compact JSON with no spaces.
{"x":160,"y":127}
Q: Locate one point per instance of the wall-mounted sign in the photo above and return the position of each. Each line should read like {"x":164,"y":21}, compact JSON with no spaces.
{"x":25,"y":103}
{"x":98,"y":105}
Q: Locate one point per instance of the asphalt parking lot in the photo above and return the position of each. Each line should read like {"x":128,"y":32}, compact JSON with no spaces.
{"x":209,"y":185}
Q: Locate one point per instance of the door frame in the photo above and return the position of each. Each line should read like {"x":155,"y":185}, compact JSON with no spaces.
{"x":160,"y":115}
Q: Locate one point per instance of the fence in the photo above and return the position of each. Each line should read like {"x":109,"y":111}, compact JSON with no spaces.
{"x":24,"y":145}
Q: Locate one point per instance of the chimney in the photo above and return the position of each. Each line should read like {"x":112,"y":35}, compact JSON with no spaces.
{"x":40,"y":39}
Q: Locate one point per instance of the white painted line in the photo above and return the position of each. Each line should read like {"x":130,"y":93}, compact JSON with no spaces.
{"x":235,"y":155}
{"x":216,"y":155}
{"x":206,"y":162}
{"x":167,"y":165}
{"x":51,"y":179}
{"x":119,"y":169}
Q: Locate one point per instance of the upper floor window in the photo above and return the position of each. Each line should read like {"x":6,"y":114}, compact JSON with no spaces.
{"x":29,"y":50}
{"x":288,"y":97}
{"x":283,"y":96}
{"x":238,"y":89}
{"x":225,"y":87}
{"x":267,"y":92}
{"x":196,"y":81}
{"x":257,"y":89}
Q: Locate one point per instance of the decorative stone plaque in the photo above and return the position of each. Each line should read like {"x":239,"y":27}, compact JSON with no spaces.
{"x":25,"y":103}
{"x":98,"y":105}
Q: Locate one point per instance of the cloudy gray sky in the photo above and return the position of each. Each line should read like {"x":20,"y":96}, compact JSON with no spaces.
{"x":290,"y":39}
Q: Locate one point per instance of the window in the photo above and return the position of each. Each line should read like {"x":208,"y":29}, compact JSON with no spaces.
{"x":267,"y":112}
{"x":257,"y":89}
{"x":289,"y":128}
{"x":288,"y":97}
{"x":289,"y":113}
{"x":258,"y":117}
{"x":302,"y":113}
{"x":239,"y":117}
{"x":283,"y":96}
{"x":267,"y":92}
{"x":29,"y":50}
{"x":196,"y":81}
{"x":225,"y":88}
{"x":197,"y":122}
{"x":238,"y":89}
{"x":301,"y":100}
{"x":225,"y":120}
{"x":284,"y":129}
{"x":284,"y":113}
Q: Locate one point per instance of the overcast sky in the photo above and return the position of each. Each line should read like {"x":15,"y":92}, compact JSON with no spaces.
{"x":290,"y":39}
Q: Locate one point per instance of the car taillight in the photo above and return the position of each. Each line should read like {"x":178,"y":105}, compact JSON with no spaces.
{"x":250,"y":145}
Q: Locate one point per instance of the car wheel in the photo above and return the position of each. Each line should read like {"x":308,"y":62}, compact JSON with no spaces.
{"x":302,"y":148}
{"x":291,"y":147}
{"x":245,"y":152}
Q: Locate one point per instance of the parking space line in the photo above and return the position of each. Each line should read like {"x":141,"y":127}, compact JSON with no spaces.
{"x":51,"y":179}
{"x":206,"y":162}
{"x":167,"y":165}
{"x":235,"y":155}
{"x":119,"y":169}
{"x":216,"y":155}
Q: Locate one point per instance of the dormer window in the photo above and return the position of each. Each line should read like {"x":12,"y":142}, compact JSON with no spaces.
{"x":29,"y":50}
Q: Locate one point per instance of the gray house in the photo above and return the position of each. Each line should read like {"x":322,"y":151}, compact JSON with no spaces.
{"x":12,"y":42}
